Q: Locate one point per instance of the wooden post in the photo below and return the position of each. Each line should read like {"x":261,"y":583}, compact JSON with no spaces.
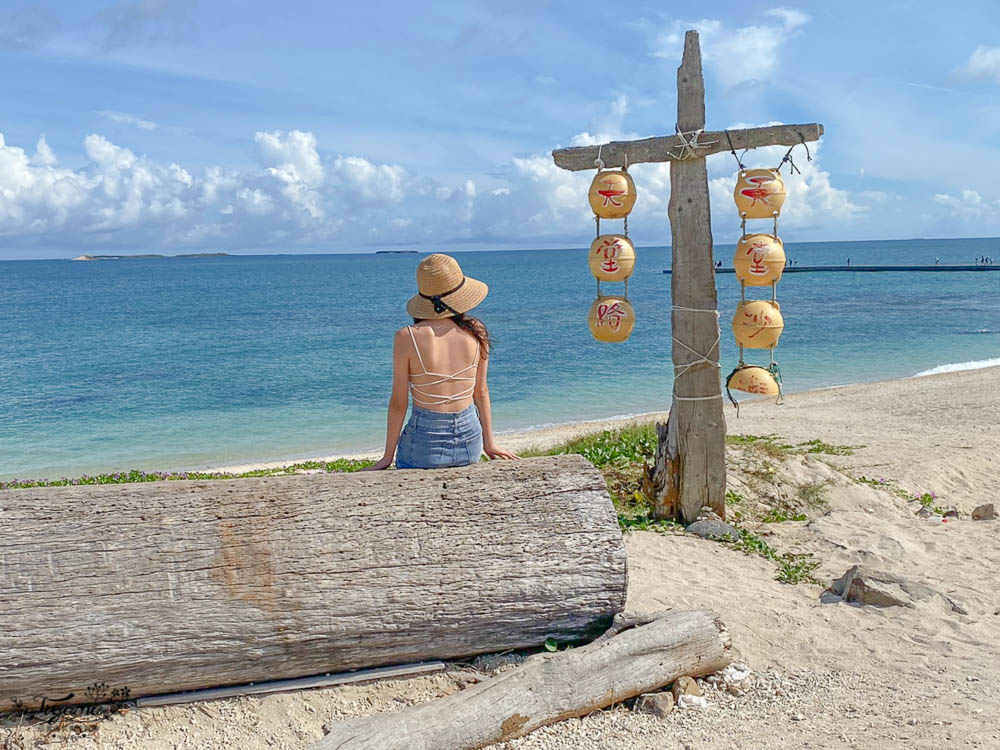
{"x":690,"y":469}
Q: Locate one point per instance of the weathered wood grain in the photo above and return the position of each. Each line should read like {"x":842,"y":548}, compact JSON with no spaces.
{"x":694,"y":471}
{"x":183,"y":585}
{"x":548,"y":688}
{"x":663,"y":148}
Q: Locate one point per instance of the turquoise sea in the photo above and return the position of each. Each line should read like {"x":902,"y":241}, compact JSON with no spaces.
{"x":186,"y":363}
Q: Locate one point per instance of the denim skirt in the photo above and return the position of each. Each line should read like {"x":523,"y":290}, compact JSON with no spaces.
{"x":434,"y":439}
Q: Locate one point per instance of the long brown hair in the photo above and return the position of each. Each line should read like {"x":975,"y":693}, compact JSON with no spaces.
{"x":473,"y":326}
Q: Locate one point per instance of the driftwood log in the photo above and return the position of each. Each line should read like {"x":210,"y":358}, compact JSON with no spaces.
{"x":548,"y":688}
{"x":182,"y":585}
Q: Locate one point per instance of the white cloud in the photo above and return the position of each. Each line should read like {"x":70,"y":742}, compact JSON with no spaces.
{"x":740,"y":56}
{"x":984,"y":62}
{"x":378,"y":183}
{"x":294,"y":164}
{"x":43,"y":154}
{"x":790,"y":18}
{"x":969,"y":206}
{"x":297,"y":198}
{"x":125,"y":118}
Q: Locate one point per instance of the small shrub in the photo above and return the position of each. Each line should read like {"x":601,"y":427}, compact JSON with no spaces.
{"x":632,"y":444}
{"x":766,"y":471}
{"x":813,"y":494}
{"x":818,"y":446}
{"x":766,"y":444}
{"x":792,"y":568}
{"x":797,"y":568}
{"x":773,"y":446}
{"x":777,"y":515}
{"x":929,"y":500}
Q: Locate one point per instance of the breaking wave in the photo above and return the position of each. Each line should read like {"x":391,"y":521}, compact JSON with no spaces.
{"x":977,"y":364}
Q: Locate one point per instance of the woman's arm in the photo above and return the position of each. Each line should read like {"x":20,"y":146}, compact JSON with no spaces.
{"x":481,"y":397}
{"x":397,"y":401}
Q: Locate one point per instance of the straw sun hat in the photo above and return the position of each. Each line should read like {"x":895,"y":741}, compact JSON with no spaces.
{"x":443,"y":289}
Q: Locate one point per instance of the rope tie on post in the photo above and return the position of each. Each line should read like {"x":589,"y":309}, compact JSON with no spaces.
{"x":689,"y":144}
{"x":702,"y":359}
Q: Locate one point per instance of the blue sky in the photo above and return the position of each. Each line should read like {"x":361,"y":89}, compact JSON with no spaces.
{"x":186,"y":125}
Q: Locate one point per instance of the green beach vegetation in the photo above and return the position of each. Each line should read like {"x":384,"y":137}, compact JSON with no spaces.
{"x":126,"y":477}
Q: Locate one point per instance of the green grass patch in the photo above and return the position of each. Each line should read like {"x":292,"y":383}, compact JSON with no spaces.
{"x":818,"y":446}
{"x":612,"y":447}
{"x":629,"y":522}
{"x":770,"y":445}
{"x":792,"y":568}
{"x":777,"y":515}
{"x":775,"y":447}
{"x":929,"y":501}
{"x":797,"y":568}
{"x":340,"y":465}
{"x":767,"y":471}
{"x":884,"y":484}
{"x":813,"y":495}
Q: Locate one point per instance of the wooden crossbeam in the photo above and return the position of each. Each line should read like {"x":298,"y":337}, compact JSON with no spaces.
{"x":664,"y":148}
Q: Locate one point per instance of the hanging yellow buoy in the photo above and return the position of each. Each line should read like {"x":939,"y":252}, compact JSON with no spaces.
{"x":753,"y":379}
{"x":759,"y":193}
{"x":757,"y":324}
{"x":612,"y":194}
{"x":759,"y":259}
{"x":611,"y":319}
{"x":612,"y":257}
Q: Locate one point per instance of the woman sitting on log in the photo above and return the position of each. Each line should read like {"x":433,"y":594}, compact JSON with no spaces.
{"x":441,"y":360}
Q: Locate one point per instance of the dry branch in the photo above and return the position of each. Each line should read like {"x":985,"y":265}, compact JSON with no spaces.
{"x":548,"y":688}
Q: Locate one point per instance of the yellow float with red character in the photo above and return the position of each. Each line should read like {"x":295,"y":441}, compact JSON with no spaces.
{"x":759,"y":193}
{"x":612,"y":257}
{"x":611,"y":319}
{"x":612,"y":194}
{"x":759,"y":259}
{"x":758,"y":324}
{"x":753,"y":379}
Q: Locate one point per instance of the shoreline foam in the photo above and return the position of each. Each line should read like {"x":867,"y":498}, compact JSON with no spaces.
{"x":548,"y":436}
{"x":974,"y":364}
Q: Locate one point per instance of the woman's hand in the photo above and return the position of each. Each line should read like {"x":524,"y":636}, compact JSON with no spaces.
{"x":382,"y":463}
{"x":494,"y":453}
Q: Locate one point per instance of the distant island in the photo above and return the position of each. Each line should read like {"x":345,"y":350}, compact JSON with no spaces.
{"x":397,"y":252}
{"x":149,"y":255}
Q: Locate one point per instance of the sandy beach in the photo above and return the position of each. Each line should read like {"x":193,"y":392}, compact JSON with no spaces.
{"x":825,"y":674}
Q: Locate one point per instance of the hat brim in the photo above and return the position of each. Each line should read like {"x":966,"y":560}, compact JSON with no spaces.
{"x":473,"y":292}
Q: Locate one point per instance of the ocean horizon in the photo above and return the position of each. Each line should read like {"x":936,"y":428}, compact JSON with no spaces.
{"x":184,"y":363}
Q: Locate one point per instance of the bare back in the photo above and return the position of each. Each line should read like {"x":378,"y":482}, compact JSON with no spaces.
{"x":443,"y":366}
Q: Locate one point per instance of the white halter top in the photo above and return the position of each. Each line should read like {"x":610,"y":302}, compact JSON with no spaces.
{"x":439,"y":398}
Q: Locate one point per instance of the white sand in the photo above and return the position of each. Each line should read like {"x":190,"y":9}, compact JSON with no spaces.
{"x":826,"y":675}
